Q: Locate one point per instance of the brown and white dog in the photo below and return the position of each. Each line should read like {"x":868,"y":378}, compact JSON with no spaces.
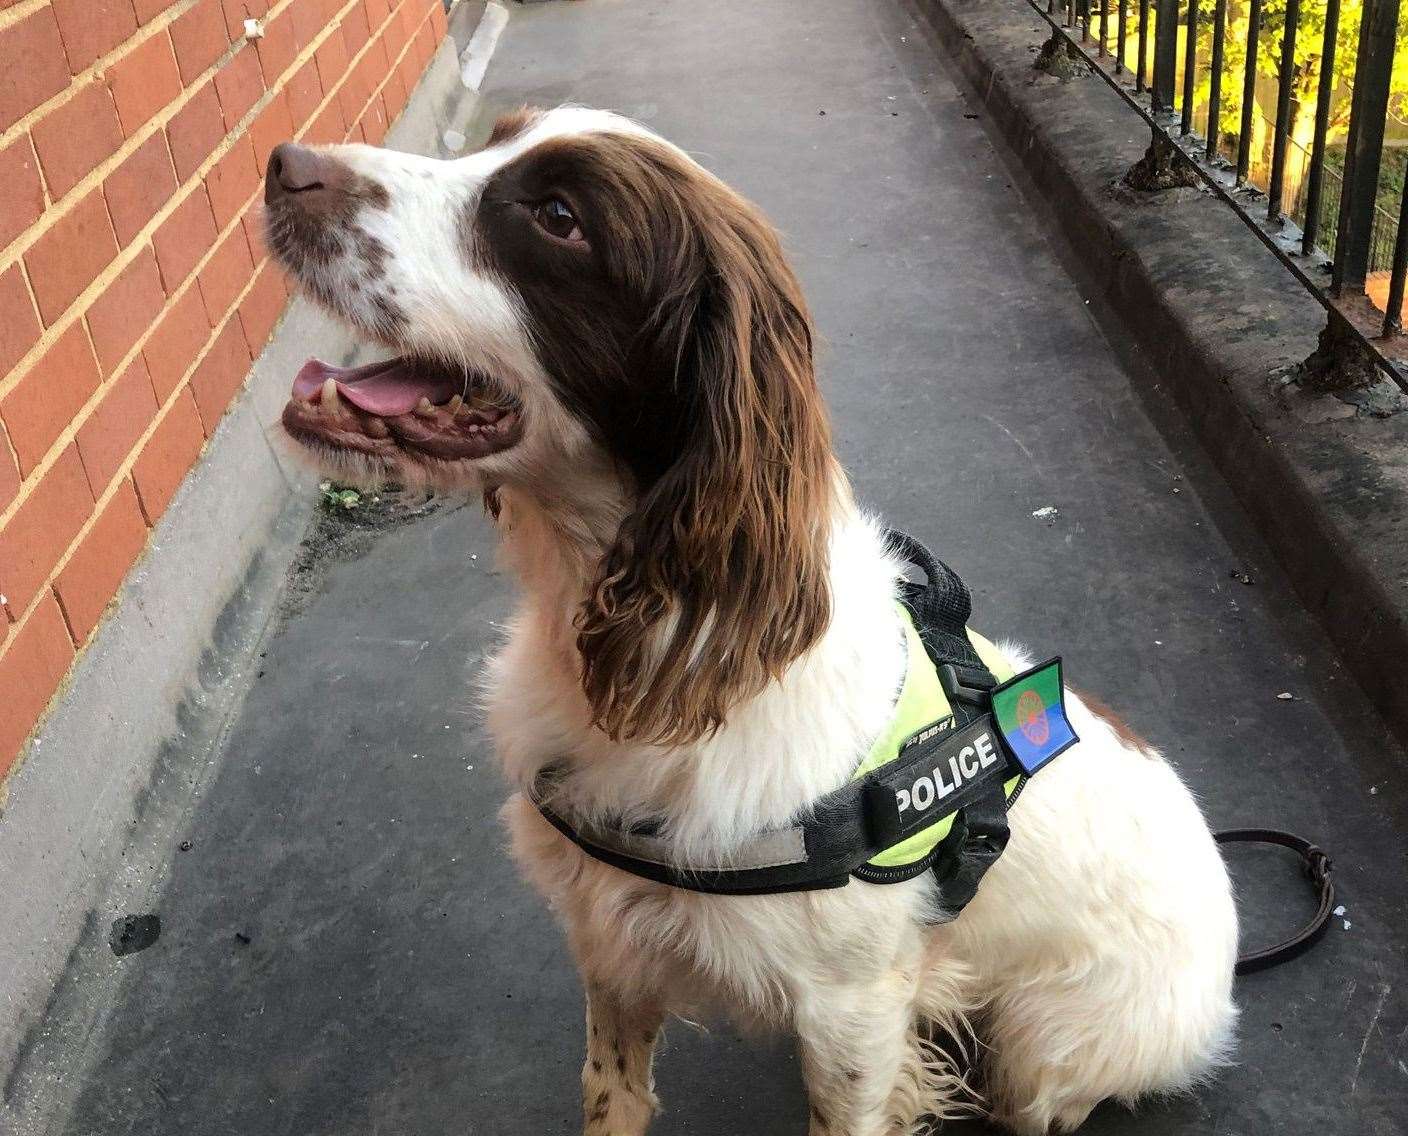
{"x":608,"y":343}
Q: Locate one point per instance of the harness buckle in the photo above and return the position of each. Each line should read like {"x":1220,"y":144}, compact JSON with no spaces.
{"x":970,"y":685}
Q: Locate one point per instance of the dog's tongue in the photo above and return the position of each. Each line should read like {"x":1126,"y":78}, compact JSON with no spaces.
{"x":386,"y":389}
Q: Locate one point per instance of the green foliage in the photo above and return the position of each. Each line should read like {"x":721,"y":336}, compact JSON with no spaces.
{"x":1310,"y":37}
{"x":335,"y":498}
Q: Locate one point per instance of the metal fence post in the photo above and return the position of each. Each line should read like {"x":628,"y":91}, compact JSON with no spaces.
{"x":1244,"y":135}
{"x":1219,"y":36}
{"x":1190,"y":67}
{"x":1315,"y":189}
{"x":1282,"y":126}
{"x":1364,"y":146}
{"x":1165,"y":52}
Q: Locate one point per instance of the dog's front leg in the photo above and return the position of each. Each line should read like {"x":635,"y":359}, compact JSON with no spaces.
{"x":856,"y":1043}
{"x":618,"y":1088}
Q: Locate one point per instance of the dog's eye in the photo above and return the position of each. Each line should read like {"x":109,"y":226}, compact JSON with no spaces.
{"x":555,"y":219}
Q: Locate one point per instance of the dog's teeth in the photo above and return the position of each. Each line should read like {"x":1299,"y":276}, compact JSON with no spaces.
{"x":330,"y":401}
{"x":462,"y":411}
{"x":454,"y":404}
{"x":424,"y":409}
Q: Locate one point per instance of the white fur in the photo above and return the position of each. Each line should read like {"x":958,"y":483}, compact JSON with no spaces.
{"x":1097,"y":959}
{"x":1095,"y":962}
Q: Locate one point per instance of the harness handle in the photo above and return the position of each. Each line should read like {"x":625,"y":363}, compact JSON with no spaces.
{"x":1317,"y":867}
{"x":941,"y":609}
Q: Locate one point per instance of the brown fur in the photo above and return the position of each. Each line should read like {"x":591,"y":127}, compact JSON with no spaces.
{"x":1122,"y":729}
{"x":679,"y":333}
{"x":748,"y":492}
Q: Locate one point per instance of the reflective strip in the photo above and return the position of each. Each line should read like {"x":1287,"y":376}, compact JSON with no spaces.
{"x":778,"y":849}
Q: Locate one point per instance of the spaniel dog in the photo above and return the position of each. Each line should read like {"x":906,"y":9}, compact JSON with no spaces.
{"x":607,"y":342}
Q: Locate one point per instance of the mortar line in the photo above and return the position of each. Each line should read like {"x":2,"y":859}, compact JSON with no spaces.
{"x":61,"y":444}
{"x":95,"y":177}
{"x":126,"y":255}
{"x":154,"y":27}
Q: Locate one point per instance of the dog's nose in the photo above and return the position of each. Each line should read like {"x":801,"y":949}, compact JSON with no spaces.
{"x":295,"y":169}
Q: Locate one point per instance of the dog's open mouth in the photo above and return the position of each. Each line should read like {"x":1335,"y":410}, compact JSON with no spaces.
{"x":403,"y":405}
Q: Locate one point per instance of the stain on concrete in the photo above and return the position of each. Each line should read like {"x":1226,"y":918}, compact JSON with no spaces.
{"x":133,"y":933}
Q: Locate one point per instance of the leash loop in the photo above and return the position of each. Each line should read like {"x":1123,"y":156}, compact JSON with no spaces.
{"x":1317,"y":867}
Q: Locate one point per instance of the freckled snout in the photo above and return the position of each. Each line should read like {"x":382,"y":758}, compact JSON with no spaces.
{"x":304,"y":173}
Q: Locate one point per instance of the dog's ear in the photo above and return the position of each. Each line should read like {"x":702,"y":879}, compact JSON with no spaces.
{"x":718,"y":579}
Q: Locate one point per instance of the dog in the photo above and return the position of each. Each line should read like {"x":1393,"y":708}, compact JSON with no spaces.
{"x":607,"y":342}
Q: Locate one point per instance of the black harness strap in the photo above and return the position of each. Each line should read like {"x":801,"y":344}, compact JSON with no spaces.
{"x":843,"y":830}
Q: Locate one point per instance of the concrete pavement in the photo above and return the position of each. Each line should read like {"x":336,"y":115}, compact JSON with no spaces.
{"x":345,"y":948}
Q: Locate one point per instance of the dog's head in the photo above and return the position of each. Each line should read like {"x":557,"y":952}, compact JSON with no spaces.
{"x":579,"y":307}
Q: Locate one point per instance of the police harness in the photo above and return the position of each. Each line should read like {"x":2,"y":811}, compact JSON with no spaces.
{"x":932,"y":795}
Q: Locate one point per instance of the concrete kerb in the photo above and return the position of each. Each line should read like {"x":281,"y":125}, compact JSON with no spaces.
{"x":1223,"y":323}
{"x":105,"y":787}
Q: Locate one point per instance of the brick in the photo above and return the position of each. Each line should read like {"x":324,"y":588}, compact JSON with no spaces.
{"x":91,"y":28}
{"x":21,"y":191}
{"x":125,"y":310}
{"x":353,"y":95}
{"x":394,"y":95}
{"x":331,"y":58}
{"x":69,"y":256}
{"x":232,"y":180}
{"x":308,"y":21}
{"x":410,"y":70}
{"x":237,"y":11}
{"x":305,"y":93}
{"x":33,"y":67}
{"x":355,"y":30}
{"x":253,"y":224}
{"x":169,"y":453}
{"x":374,"y":122}
{"x":274,"y":125}
{"x":148,"y":10}
{"x":327,"y":127}
{"x":262,"y":306}
{"x":438,"y":21}
{"x":412,"y":16}
{"x":73,"y":138}
{"x":139,"y":187}
{"x":220,"y":374}
{"x":98,"y":565}
{"x":175,"y":342}
{"x":377,"y":11}
{"x":199,"y":38}
{"x":30,"y":672}
{"x":19,"y":330}
{"x":395,"y":37}
{"x":278,"y":49}
{"x":239,"y":84}
{"x":424,"y":47}
{"x":183,"y":238}
{"x":226,"y":273}
{"x":42,"y":528}
{"x":115,"y":425}
{"x":9,"y":472}
{"x":48,"y":395}
{"x":144,"y":81}
{"x":195,"y":130}
{"x":378,"y":57}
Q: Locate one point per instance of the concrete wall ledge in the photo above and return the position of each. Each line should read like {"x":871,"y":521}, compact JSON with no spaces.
{"x":102,"y":794}
{"x":1221,"y":320}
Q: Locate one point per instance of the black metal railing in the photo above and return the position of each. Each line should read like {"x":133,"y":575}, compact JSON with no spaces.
{"x":1228,"y":84}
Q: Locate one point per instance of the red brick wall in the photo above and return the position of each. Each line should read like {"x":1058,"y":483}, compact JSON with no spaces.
{"x":134,"y":287}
